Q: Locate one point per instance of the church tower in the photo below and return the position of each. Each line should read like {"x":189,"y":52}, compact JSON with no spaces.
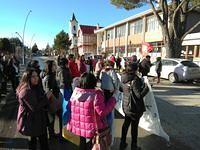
{"x":73,"y":30}
{"x":73,"y":26}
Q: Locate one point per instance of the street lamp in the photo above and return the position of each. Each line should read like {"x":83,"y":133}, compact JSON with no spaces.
{"x":22,"y":38}
{"x":19,"y":36}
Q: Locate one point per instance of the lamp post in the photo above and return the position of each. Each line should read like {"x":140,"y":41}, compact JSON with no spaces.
{"x":23,"y":48}
{"x":19,"y":36}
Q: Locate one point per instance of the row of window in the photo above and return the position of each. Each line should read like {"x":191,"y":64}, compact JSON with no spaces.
{"x":134,"y":28}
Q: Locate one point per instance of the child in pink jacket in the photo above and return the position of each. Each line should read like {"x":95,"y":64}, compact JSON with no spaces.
{"x":84,"y":103}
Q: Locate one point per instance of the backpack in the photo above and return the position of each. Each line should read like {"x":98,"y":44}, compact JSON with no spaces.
{"x":134,"y":107}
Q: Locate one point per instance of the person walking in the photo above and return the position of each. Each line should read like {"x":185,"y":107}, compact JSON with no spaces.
{"x":133,"y":104}
{"x":88,"y":110}
{"x":32,"y":111}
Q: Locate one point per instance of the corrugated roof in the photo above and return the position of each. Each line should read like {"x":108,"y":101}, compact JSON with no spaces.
{"x":86,"y":29}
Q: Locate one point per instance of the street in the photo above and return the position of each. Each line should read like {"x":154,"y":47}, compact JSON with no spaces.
{"x":179,"y":109}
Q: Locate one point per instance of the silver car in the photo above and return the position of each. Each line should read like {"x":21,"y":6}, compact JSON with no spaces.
{"x":177,"y":70}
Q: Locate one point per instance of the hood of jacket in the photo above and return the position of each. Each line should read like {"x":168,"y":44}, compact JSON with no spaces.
{"x":83,"y":94}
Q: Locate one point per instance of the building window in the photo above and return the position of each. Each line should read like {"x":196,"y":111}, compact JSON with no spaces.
{"x":109,"y":34}
{"x":120,"y":31}
{"x":152,"y":24}
{"x":136,"y":27}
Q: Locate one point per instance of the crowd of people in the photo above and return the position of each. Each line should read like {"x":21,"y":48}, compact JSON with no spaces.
{"x":40,"y":95}
{"x":9,"y":72}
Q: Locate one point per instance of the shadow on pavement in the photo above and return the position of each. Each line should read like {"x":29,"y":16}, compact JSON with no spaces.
{"x":13,"y":143}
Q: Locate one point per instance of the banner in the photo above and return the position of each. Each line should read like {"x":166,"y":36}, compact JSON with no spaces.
{"x":150,"y":121}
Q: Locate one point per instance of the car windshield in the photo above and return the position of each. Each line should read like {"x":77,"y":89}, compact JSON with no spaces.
{"x":189,"y":64}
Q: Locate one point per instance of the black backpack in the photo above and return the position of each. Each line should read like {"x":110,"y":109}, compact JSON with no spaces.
{"x":135,"y":106}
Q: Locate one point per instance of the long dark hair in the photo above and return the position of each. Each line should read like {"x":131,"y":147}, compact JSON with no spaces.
{"x":48,"y":67}
{"x":25,"y":80}
{"x":88,"y":81}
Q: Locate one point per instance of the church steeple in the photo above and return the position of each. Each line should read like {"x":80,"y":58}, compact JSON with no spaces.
{"x":73,"y":18}
{"x":73,"y":26}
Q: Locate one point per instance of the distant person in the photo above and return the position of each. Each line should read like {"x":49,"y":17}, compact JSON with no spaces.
{"x":98,"y":68}
{"x":133,"y":106}
{"x":73,"y":66}
{"x":118,"y":63}
{"x":158,"y":68}
{"x":81,"y":64}
{"x":13,"y":72}
{"x":34,"y":64}
{"x":32,"y":112}
{"x":145,"y":65}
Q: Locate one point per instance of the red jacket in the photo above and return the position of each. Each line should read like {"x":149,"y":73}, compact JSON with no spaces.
{"x":74,"y":69}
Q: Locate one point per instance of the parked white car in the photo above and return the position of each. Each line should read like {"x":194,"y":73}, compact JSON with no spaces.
{"x":177,"y":70}
{"x":197,"y":62}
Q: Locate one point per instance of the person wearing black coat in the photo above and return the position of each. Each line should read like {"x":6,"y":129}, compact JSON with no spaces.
{"x":145,"y":66}
{"x":132,"y":83}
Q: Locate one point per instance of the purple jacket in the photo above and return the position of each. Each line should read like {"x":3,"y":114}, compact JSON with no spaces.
{"x":32,"y":117}
{"x":83,"y":102}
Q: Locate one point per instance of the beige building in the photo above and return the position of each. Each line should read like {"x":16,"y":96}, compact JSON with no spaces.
{"x":87,"y":40}
{"x":126,"y":37}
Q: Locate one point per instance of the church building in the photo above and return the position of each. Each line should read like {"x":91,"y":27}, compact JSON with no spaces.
{"x":84,"y":40}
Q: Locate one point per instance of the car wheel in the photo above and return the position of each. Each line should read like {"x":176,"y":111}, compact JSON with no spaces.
{"x":173,"y":77}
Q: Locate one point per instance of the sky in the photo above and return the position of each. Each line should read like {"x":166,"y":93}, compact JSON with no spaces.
{"x":49,"y":17}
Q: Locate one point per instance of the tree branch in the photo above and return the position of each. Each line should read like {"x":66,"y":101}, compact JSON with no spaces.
{"x":156,"y":13}
{"x":190,"y":30}
{"x":192,"y":8}
{"x":179,"y":6}
{"x":174,"y":16}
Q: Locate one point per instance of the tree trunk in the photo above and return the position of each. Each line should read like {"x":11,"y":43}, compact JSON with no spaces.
{"x":174,"y":48}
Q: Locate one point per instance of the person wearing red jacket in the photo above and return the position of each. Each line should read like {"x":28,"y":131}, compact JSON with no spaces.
{"x":73,"y":67}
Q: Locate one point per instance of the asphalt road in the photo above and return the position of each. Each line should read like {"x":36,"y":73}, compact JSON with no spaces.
{"x":179,"y":110}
